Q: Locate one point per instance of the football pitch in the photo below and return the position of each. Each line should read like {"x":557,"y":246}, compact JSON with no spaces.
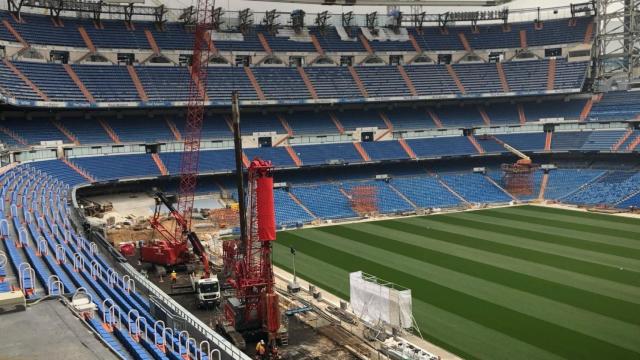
{"x":521,"y":282}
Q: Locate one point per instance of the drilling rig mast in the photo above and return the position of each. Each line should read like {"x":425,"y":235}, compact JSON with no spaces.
{"x":253,"y":308}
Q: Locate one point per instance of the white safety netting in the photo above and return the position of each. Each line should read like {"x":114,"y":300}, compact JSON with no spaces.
{"x":374,"y":302}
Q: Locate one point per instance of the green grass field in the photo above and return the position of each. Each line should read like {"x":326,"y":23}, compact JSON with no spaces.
{"x":511,"y":283}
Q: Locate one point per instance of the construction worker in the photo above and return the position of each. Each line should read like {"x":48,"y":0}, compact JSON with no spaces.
{"x":261,"y":350}
{"x":174,"y":277}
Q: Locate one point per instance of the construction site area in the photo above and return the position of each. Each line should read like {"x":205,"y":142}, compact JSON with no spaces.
{"x":315,"y":324}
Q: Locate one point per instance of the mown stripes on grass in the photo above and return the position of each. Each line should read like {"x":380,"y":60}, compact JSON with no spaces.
{"x":592,"y":217}
{"x":504,"y":213}
{"x":388,"y":256}
{"x":545,"y":247}
{"x":554,"y":260}
{"x":467,"y":220}
{"x":578,"y":235}
{"x":615,"y":331}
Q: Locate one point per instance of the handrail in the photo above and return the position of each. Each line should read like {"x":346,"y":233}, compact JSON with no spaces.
{"x":61,"y":255}
{"x":162,"y":333}
{"x":43,"y":246}
{"x":196,"y":324}
{"x":52,"y":281}
{"x":186,"y":334}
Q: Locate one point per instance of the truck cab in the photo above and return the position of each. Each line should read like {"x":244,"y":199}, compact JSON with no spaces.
{"x":207,"y":291}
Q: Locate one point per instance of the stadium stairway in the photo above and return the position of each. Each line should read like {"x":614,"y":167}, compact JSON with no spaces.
{"x":174,"y":129}
{"x":634,"y":144}
{"x":415,"y":44}
{"x":325,"y":200}
{"x":407,"y":148}
{"x":361,"y":151}
{"x":365,"y":44}
{"x":475,"y":144}
{"x":485,"y":117}
{"x":623,"y":139}
{"x":158,"y":161}
{"x":582,"y":182}
{"x":308,"y":83}
{"x":584,"y":114}
{"x":402,"y":196}
{"x":336,"y":122}
{"x":25,"y":79}
{"x":435,"y":118}
{"x":142,"y":93}
{"x":316,"y":45}
{"x":358,"y":82}
{"x":494,"y":183}
{"x":456,"y":79}
{"x":475,"y":188}
{"x":87,"y":40}
{"x":15,"y":34}
{"x":72,"y":138}
{"x":294,"y":156}
{"x":152,"y":41}
{"x":12,"y":134}
{"x":407,"y":80}
{"x":611,"y":188}
{"x":521,"y":115}
{"x":79,"y":170}
{"x":297,"y":201}
{"x":523,"y":39}
{"x":255,"y":83}
{"x":265,"y":44}
{"x":551,"y":75}
{"x":426,"y":192}
{"x":503,"y":78}
{"x":109,"y":130}
{"x":72,"y":74}
{"x":543,"y":186}
{"x":548,"y":139}
{"x":452,"y":191}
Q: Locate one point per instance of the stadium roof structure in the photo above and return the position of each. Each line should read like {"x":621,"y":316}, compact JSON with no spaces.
{"x":397,"y":2}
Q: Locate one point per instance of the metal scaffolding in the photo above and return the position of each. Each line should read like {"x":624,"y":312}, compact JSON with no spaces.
{"x":617,"y":48}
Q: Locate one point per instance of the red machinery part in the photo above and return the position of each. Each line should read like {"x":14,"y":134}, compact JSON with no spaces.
{"x":266,"y":208}
{"x":272,"y":313}
{"x":127,"y":249}
{"x":161,"y":252}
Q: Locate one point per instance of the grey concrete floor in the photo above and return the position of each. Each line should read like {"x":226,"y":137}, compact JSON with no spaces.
{"x":48,"y":330}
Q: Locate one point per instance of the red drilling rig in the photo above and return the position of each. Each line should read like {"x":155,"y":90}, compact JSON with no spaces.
{"x":252,"y":309}
{"x":172,"y":249}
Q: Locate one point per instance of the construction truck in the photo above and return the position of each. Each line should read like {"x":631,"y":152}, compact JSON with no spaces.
{"x":206,"y":290}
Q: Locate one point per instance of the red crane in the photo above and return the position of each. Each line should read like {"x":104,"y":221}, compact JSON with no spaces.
{"x":172,"y":249}
{"x":254,"y":306}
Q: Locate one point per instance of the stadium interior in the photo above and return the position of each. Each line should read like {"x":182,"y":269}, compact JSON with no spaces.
{"x":363,"y":117}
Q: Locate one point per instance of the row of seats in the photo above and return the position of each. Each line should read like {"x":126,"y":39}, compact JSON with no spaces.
{"x":113,"y":83}
{"x":337,"y":199}
{"x":140,"y":128}
{"x":611,"y":188}
{"x":109,"y":167}
{"x":52,"y":258}
{"x":114,"y":34}
{"x":616,"y":105}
